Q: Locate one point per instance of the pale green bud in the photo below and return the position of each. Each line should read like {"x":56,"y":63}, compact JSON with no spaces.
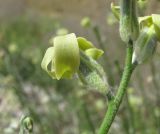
{"x":26,"y":125}
{"x":92,"y":74}
{"x":129,"y":28}
{"x":86,"y":22}
{"x":145,"y":45}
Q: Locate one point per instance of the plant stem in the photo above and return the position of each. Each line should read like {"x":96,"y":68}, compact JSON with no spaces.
{"x":115,"y":102}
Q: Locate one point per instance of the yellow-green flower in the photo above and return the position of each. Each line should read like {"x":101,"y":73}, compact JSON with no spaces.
{"x":63,"y":59}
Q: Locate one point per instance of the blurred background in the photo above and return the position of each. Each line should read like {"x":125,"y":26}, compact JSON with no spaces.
{"x":62,"y":107}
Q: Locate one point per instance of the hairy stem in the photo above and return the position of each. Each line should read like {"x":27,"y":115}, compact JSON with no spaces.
{"x":116,"y":101}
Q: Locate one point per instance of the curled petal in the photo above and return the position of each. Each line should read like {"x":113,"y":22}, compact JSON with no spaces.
{"x":67,"y":57}
{"x":47,"y":59}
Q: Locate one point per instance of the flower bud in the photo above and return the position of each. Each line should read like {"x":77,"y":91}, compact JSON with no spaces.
{"x":92,"y":74}
{"x":129,"y":28}
{"x":145,"y":45}
{"x":86,"y":22}
{"x":26,"y":125}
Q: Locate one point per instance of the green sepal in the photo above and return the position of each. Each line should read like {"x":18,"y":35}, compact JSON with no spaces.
{"x":94,"y":53}
{"x":89,"y":49}
{"x":84,"y":44}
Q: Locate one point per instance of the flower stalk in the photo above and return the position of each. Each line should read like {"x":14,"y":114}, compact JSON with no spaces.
{"x":116,"y":101}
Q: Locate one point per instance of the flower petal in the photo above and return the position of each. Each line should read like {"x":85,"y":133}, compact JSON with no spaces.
{"x":67,"y":58}
{"x":47,"y":59}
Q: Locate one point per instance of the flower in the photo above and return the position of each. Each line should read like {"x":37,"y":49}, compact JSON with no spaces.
{"x":63,"y":59}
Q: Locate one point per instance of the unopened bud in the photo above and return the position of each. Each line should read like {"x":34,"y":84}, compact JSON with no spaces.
{"x":92,"y":75}
{"x":86,"y":22}
{"x":145,"y":45}
{"x":26,"y":125}
{"x":129,"y":28}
